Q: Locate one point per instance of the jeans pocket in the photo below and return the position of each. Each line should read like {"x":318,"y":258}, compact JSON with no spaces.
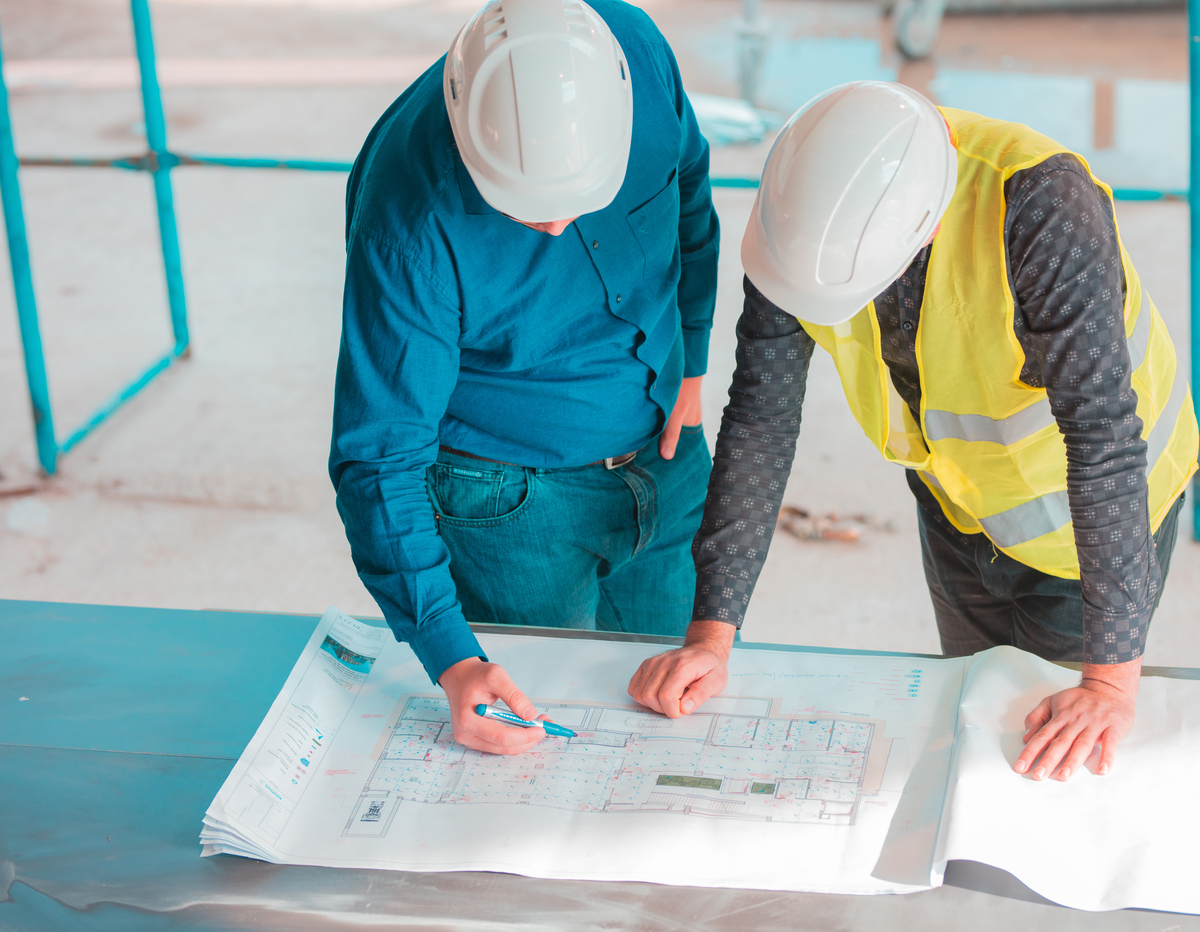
{"x":469,"y":495}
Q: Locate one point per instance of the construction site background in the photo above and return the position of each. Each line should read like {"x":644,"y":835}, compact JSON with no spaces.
{"x":209,"y":490}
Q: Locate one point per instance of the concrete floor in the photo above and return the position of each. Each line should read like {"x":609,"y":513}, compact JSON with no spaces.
{"x":209,"y":489}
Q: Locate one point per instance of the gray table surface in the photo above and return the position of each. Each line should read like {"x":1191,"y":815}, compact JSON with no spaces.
{"x":114,"y":741}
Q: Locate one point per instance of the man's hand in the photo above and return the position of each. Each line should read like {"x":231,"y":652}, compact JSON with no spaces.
{"x":678,"y":681}
{"x":470,"y":682}
{"x":1064,"y":727}
{"x":686,"y":412}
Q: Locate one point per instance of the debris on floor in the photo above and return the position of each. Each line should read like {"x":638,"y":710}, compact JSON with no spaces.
{"x":803,"y":525}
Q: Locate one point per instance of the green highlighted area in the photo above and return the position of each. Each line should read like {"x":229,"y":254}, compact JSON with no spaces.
{"x":766,"y":788}
{"x":695,"y":783}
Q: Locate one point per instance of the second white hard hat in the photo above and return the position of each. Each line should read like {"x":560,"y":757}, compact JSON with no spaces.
{"x":539,"y":99}
{"x":853,"y":188}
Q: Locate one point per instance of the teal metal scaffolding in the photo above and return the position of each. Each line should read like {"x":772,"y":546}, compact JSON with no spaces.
{"x":159,"y":161}
{"x":1194,"y":184}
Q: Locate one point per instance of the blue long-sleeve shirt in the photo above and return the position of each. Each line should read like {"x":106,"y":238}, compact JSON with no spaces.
{"x":465,"y":328}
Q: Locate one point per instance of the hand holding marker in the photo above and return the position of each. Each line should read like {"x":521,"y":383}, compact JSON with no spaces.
{"x":550,"y":728}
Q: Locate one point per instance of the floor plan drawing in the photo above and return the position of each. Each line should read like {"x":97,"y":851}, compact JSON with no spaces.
{"x":817,"y":771}
{"x":739,"y":758}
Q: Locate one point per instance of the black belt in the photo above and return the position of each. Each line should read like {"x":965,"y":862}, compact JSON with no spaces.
{"x":609,"y":462}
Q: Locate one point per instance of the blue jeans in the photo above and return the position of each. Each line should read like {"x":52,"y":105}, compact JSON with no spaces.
{"x":582,"y":547}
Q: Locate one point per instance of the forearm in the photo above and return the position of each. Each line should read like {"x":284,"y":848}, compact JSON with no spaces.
{"x":1070,"y":288}
{"x":1118,"y":566}
{"x":397,"y":369}
{"x":753,"y":460}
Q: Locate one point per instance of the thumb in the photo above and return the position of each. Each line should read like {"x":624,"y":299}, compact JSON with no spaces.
{"x":670,"y":438}
{"x":701,"y":690}
{"x":515,"y":700}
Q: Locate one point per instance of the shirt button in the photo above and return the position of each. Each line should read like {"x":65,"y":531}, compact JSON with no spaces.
{"x":595,"y":244}
{"x":618,"y":299}
{"x":907,"y":325}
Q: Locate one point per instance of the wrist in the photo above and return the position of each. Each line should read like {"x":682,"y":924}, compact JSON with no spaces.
{"x":713,"y":636}
{"x":1115,"y":677}
{"x":454,"y":673}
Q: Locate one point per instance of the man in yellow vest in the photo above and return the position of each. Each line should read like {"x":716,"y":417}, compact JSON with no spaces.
{"x":993,"y":338}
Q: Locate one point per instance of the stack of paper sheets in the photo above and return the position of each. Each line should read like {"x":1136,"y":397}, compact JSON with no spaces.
{"x":814,"y":772}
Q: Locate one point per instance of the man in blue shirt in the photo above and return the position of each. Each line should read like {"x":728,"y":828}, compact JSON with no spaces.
{"x":530,"y":278}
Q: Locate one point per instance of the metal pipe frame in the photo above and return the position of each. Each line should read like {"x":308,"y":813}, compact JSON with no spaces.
{"x":18,"y":254}
{"x":1194,"y":181}
{"x":1119,"y":194}
{"x":158,"y":162}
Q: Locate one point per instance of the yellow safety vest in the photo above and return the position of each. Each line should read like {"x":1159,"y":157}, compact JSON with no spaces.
{"x":991,"y":452}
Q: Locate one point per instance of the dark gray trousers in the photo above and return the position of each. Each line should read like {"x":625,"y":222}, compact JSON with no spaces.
{"x":983,"y":598}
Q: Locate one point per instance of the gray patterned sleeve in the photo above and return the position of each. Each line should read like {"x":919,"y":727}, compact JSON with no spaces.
{"x":753,"y":458}
{"x":1069,"y":285}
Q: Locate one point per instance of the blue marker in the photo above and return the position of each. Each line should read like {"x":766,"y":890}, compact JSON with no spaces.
{"x":508,"y":718}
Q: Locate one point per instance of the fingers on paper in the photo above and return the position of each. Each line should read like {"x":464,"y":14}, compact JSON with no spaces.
{"x":489,"y":683}
{"x":650,"y":685}
{"x":487,"y":734}
{"x":497,"y":738}
{"x":1081,"y":748}
{"x":703,"y":689}
{"x":677,"y":682}
{"x":642,"y":685}
{"x":1037,"y":719}
{"x":1044,"y":745}
{"x":1065,"y":728}
{"x":1108,"y":752}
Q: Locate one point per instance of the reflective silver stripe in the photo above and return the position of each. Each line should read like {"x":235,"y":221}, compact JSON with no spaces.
{"x":1025,"y":521}
{"x":945,"y":425}
{"x":1160,"y":433}
{"x":1028,"y":520}
{"x":1139,"y":340}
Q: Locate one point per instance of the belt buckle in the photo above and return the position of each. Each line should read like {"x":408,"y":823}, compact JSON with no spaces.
{"x":612,"y":462}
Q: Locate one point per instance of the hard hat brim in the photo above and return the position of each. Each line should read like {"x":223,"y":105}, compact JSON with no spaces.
{"x":805,"y":307}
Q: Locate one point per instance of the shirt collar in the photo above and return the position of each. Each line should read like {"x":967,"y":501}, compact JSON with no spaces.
{"x":473,"y":202}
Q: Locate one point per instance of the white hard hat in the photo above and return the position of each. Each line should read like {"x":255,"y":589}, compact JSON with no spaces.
{"x":540,"y":102}
{"x":854,"y":186}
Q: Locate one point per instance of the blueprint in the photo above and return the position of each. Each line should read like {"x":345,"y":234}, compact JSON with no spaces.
{"x":736,"y":759}
{"x":815,"y":771}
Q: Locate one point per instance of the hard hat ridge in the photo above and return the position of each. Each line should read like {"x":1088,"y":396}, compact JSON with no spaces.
{"x":854,"y":185}
{"x":540,"y":103}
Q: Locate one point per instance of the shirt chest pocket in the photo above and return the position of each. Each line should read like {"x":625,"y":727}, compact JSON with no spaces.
{"x":655,"y":226}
